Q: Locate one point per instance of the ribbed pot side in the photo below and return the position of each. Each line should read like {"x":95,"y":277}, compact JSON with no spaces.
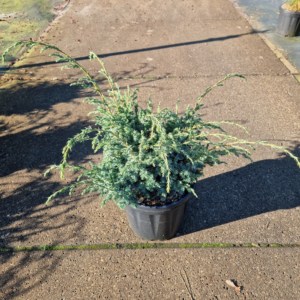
{"x":288,"y":23}
{"x":157,"y":222}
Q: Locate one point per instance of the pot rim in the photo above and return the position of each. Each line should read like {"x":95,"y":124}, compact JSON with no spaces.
{"x":164,"y":207}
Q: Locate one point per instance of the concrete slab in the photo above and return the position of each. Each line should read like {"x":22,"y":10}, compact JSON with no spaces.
{"x":238,"y":202}
{"x":151,"y":274}
{"x":155,"y":10}
{"x":154,"y":41}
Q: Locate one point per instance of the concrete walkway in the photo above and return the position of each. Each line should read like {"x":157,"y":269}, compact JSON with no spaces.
{"x":173,"y":51}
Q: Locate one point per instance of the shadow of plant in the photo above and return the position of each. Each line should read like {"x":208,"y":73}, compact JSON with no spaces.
{"x":258,"y":188}
{"x":15,"y":281}
{"x":37,"y":121}
{"x":31,"y":141}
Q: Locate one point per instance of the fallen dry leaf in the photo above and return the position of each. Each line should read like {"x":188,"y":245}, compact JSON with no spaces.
{"x":231,"y":284}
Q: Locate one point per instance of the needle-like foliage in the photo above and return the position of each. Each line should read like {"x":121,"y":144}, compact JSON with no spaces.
{"x":145,"y":152}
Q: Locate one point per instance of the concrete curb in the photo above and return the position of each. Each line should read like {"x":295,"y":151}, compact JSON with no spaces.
{"x":297,"y":77}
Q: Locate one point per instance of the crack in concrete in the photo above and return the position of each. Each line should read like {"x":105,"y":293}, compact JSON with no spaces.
{"x":11,"y":78}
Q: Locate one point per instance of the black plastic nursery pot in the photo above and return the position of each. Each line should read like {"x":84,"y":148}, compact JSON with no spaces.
{"x":157,"y":222}
{"x":288,"y":23}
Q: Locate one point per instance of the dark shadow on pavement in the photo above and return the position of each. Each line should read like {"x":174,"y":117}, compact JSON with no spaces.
{"x":16,"y":280}
{"x":32,"y":140}
{"x":258,"y":188}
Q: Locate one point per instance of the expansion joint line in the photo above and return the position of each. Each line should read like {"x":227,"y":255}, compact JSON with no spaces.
{"x":144,"y":246}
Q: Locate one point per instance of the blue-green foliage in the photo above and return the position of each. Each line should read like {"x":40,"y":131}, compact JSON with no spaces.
{"x":144,"y":152}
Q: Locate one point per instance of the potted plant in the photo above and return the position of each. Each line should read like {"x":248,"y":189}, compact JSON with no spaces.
{"x":151,"y":160}
{"x":289,"y":19}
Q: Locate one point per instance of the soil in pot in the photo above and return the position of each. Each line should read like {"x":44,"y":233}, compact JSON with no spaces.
{"x":155,"y":200}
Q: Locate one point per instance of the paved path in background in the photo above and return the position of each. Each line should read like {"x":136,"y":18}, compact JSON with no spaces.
{"x":173,"y":52}
{"x":263,"y":16}
{"x":24,"y":20}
